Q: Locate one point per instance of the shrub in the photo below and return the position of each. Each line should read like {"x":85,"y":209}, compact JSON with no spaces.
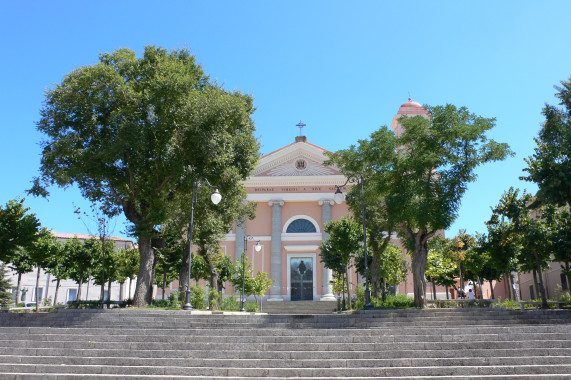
{"x":391,"y":302}
{"x":198,"y":297}
{"x":230,"y":303}
{"x":398,"y":302}
{"x":213,"y":299}
{"x":171,"y":302}
{"x":251,"y":306}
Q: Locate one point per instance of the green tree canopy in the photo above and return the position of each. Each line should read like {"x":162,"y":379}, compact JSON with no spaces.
{"x":423,"y":174}
{"x":18,"y":229}
{"x":550,"y":165}
{"x":132,"y":133}
{"x":441,"y":265}
{"x":345,"y":237}
{"x":5,"y":287}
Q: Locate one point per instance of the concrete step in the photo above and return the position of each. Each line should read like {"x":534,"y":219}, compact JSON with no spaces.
{"x":300,"y":307}
{"x":337,"y":372}
{"x":279,"y":363}
{"x":186,"y":337}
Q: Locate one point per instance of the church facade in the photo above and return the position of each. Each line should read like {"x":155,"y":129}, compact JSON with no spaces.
{"x":294,"y":192}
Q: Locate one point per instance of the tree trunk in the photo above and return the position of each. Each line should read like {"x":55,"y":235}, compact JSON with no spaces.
{"x":433,"y":291}
{"x":79,"y":290}
{"x":375,"y":275}
{"x":122,"y":291}
{"x":568,"y":276}
{"x":447,"y":293}
{"x":57,"y":291}
{"x":183,"y":274}
{"x":544,"y":304}
{"x":508,"y":293}
{"x":460,"y":273}
{"x":102,"y":240}
{"x":18,"y":288}
{"x":109,"y":289}
{"x":144,"y":288}
{"x":38,"y":299}
{"x":348,"y":289}
{"x":164,"y":282}
{"x":419,"y":258}
{"x":480,"y":287}
{"x":534,"y":272}
{"x":492,"y":289}
{"x":130,"y":286}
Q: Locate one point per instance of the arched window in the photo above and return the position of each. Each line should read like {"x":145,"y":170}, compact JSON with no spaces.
{"x":301,"y":226}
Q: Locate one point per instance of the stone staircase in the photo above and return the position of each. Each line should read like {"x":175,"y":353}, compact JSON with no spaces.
{"x":387,"y":344}
{"x":299,"y":307}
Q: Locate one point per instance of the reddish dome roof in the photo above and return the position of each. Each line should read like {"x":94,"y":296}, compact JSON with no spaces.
{"x":412,"y":108}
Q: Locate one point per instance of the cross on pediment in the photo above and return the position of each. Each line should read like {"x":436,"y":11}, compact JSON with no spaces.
{"x":300,"y":125}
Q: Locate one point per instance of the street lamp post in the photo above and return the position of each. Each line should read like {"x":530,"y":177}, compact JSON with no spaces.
{"x":216,"y":197}
{"x":339,"y":197}
{"x":257,"y":247}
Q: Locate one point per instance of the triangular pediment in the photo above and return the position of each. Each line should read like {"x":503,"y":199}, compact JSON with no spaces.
{"x":294,"y":160}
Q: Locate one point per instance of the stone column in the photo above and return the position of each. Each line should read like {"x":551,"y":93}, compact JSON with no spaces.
{"x":276,"y":254}
{"x":326,"y":274}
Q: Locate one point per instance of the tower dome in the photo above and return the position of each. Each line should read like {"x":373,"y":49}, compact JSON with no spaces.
{"x":412,"y":108}
{"x":409,"y":108}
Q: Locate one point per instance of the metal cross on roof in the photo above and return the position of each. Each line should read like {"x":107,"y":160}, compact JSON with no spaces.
{"x":300,"y":125}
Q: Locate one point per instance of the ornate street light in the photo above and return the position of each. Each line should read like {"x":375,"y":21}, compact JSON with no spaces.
{"x":216,"y":197}
{"x":258,"y":248}
{"x":339,"y":197}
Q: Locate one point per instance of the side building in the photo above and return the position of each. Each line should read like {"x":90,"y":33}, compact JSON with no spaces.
{"x":68,"y":289}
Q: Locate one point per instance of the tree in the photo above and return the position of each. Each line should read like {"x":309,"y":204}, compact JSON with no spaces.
{"x":502,"y":250}
{"x":133,"y":133}
{"x":21,"y":263}
{"x":550,"y":165}
{"x":561,"y":238}
{"x":169,"y":260}
{"x":81,"y":260}
{"x":527,"y":231}
{"x":40,"y":253}
{"x":99,"y":217}
{"x":211,"y":223}
{"x":391,"y":267}
{"x":458,"y":248}
{"x":128,"y":262}
{"x":345,"y":236}
{"x":253,"y":285}
{"x":55,"y":266}
{"x":259,"y":285}
{"x":423,"y":173}
{"x":18,"y":229}
{"x":5,"y":287}
{"x":488,"y":271}
{"x":105,"y":266}
{"x":441,"y":266}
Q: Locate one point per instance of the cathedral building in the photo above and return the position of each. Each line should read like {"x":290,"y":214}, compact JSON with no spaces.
{"x":294,"y":192}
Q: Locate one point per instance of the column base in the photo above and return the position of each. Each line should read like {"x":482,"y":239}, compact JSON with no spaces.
{"x":328,"y":297}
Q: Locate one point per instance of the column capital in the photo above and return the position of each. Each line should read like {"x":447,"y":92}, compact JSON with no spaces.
{"x":329,"y":202}
{"x":276,"y":202}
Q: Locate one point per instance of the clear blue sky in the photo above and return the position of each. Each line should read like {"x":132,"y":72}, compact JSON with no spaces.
{"x":342,"y":67}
